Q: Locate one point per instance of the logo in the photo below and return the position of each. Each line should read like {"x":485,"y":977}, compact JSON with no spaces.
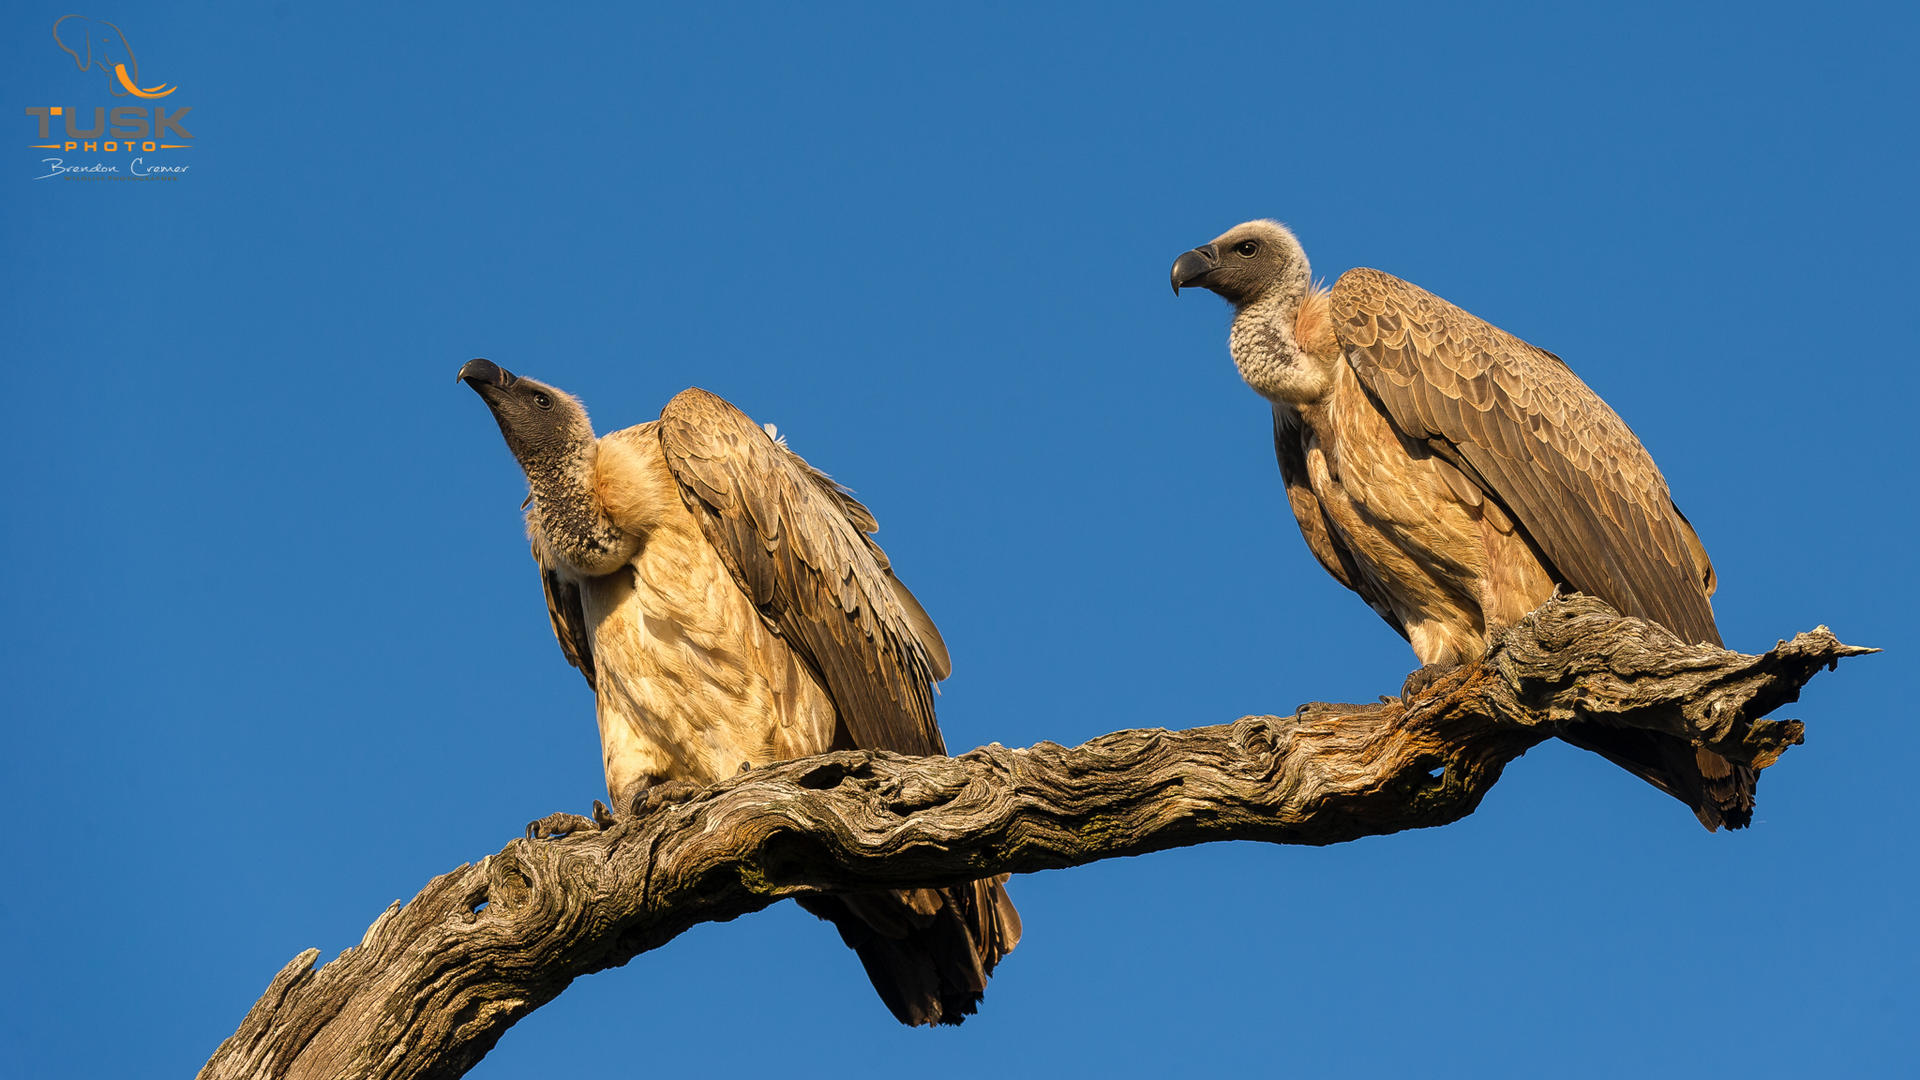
{"x":98,"y":45}
{"x":144,"y":140}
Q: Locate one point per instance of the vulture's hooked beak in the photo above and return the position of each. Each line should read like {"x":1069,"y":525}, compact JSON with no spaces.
{"x":1193,"y":267}
{"x":479,"y":373}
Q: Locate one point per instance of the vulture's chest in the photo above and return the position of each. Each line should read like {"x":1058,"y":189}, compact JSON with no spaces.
{"x":692,"y":681}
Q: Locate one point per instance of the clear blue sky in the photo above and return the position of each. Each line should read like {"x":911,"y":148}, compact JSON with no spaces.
{"x":275,"y":653}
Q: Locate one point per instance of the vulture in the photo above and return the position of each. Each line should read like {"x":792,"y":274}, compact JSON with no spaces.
{"x":1454,"y":476}
{"x":729,"y":607}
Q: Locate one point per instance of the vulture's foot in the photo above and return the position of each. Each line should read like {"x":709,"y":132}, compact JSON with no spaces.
{"x":661,"y":794}
{"x":1418,"y":682}
{"x":556,"y":826}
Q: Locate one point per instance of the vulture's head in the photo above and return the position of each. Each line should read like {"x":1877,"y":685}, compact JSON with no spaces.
{"x":541,"y":424}
{"x":1245,"y":264}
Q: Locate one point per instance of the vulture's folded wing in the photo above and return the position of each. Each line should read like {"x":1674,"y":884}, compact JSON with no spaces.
{"x":568,"y":617}
{"x":797,"y":544}
{"x":1516,"y":420}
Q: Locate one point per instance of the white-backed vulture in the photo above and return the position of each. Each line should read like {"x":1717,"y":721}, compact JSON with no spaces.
{"x":729,"y":608}
{"x":1453,"y":475}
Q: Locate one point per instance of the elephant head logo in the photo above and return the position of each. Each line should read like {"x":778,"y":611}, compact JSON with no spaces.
{"x":98,"y":45}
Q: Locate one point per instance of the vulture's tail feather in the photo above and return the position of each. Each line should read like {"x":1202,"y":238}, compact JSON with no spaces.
{"x":928,"y":951}
{"x":1719,"y":792}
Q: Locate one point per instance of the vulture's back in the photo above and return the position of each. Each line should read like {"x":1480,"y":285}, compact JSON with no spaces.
{"x":1528,"y":431}
{"x":1519,"y":424}
{"x":761,"y":623}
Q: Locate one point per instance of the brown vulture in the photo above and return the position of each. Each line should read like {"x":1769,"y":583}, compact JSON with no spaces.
{"x":1453,"y":475}
{"x":729,"y":608}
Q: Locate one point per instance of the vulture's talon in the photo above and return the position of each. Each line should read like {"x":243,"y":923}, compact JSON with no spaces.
{"x":663,"y":794}
{"x":1420,"y":681}
{"x":602,"y":816}
{"x":559,"y":825}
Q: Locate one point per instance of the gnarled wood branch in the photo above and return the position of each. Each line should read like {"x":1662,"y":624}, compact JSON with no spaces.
{"x":436,"y":982}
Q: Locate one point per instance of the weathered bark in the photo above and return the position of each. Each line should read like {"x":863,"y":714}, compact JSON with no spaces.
{"x":436,"y":982}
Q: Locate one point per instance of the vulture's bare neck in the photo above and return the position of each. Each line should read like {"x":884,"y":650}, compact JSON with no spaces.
{"x":1266,"y":346}
{"x":567,"y":518}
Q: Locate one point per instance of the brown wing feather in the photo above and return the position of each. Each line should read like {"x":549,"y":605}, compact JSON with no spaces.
{"x":797,"y":544}
{"x":568,"y":618}
{"x":1517,"y":420}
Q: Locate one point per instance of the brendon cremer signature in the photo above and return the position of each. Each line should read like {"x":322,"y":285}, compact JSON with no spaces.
{"x":137,"y":167}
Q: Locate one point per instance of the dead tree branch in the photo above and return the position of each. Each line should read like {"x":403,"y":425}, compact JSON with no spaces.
{"x":437,"y":981}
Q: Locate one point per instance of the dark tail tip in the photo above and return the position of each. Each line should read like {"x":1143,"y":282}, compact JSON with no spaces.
{"x":1726,"y":791}
{"x":927,"y":952}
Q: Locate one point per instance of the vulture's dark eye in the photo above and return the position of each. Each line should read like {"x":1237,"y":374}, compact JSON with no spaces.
{"x":542,"y":400}
{"x":1246,"y":248}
